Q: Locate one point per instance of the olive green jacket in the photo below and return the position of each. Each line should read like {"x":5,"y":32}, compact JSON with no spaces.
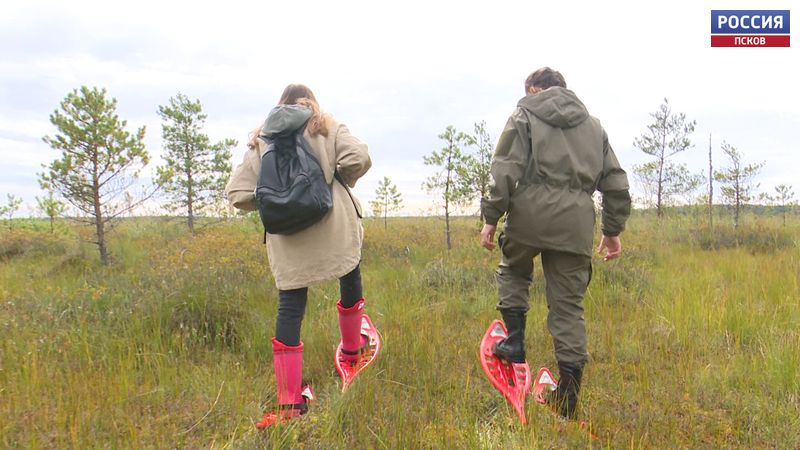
{"x":551,"y":157}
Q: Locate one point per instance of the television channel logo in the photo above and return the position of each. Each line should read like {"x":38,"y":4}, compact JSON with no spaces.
{"x":750,"y":28}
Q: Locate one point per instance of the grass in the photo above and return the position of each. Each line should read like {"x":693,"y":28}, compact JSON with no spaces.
{"x":169,"y":347}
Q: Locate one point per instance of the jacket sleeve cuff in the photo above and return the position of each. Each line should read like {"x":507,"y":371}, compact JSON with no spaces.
{"x":611,"y":233}
{"x":491,"y":215}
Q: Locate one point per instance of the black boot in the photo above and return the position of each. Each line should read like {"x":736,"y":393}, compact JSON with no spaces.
{"x":565,"y":398}
{"x":512,"y":348}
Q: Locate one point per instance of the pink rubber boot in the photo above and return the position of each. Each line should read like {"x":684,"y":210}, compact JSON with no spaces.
{"x":353,"y":342}
{"x":292,"y":395}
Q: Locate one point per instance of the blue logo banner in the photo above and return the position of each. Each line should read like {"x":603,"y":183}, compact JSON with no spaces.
{"x":729,"y":21}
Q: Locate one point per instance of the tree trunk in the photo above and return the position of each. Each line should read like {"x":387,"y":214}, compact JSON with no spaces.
{"x":190,"y":218}
{"x":661,"y":161}
{"x":447,"y":223}
{"x":710,"y":188}
{"x":660,"y":185}
{"x":737,"y":202}
{"x":100,"y":228}
{"x":190,"y":203}
{"x":447,"y":198}
{"x":101,"y":243}
{"x":98,"y":212}
{"x":52,"y":222}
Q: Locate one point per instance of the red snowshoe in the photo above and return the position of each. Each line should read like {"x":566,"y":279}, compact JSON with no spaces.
{"x":348,"y":366}
{"x":513,"y":380}
{"x":286,"y":413}
{"x":545,"y":383}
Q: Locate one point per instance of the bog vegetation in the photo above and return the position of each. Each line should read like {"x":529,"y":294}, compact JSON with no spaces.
{"x":163,"y":340}
{"x":693,"y":340}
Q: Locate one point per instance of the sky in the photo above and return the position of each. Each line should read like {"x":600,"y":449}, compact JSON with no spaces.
{"x":397,"y":73}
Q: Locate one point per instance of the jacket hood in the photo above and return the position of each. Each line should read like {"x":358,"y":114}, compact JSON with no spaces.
{"x":284,"y":119}
{"x":558,"y":107}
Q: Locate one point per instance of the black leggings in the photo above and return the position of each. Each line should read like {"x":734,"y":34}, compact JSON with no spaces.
{"x":292,"y":306}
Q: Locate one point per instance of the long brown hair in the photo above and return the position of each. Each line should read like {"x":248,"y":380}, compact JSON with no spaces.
{"x":299,"y":94}
{"x":252,"y":138}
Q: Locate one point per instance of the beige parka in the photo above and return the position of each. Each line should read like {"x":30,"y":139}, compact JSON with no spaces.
{"x":330,"y":248}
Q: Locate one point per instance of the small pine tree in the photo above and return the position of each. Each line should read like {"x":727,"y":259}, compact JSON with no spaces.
{"x":737,"y":181}
{"x":449,"y":181}
{"x":784,"y":197}
{"x":387,"y":199}
{"x":51,"y":207}
{"x":10,"y":207}
{"x":196,"y":170}
{"x":478,"y":167}
{"x":99,"y":162}
{"x":667,"y":135}
{"x":676,"y":181}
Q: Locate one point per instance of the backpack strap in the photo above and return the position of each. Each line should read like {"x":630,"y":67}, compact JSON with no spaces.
{"x":347,"y":188}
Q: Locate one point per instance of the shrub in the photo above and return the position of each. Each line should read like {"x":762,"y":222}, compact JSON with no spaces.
{"x":19,"y":242}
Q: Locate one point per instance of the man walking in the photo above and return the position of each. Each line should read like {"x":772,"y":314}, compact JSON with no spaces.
{"x":551,"y":157}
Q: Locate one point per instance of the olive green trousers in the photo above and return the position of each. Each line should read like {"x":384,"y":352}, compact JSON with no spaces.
{"x":566,"y":277}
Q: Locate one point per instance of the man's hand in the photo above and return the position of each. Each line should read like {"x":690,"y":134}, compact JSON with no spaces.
{"x":613,"y":247}
{"x":487,"y":236}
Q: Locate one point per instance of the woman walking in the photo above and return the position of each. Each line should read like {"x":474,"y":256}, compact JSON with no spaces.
{"x":328,"y":249}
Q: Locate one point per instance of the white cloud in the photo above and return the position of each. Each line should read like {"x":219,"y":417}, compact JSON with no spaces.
{"x":396,"y":73}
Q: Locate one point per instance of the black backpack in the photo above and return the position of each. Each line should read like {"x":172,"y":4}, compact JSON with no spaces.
{"x":291,"y":194}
